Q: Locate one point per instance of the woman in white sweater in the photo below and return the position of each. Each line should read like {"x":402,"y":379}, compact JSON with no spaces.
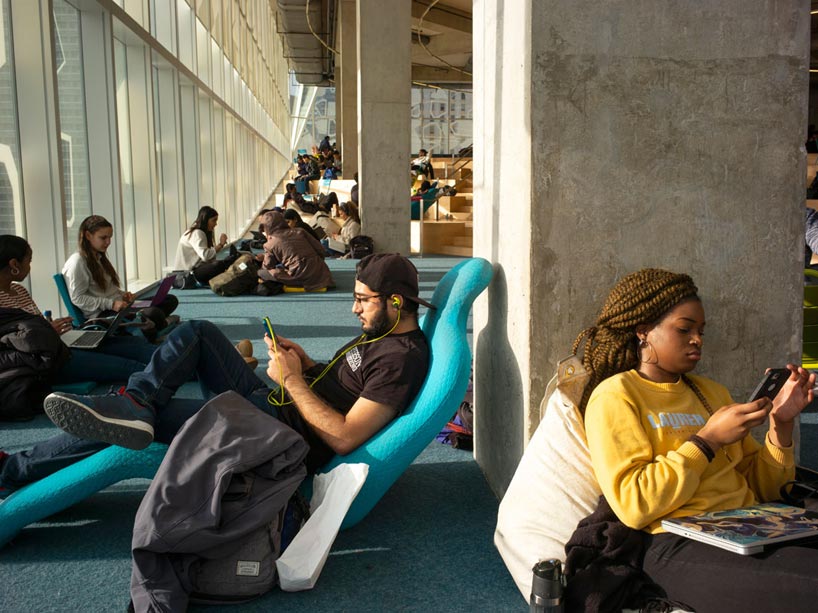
{"x":198,"y":248}
{"x":92,"y":282}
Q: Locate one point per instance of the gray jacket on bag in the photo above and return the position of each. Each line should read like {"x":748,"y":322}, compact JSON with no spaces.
{"x":183,"y":516}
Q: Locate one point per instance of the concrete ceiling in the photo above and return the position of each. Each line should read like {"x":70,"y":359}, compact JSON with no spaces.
{"x":445,"y":32}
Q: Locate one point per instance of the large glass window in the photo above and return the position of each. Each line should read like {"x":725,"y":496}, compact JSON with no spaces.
{"x":11,"y":200}
{"x":125,"y":156}
{"x":441,"y":120}
{"x":73,"y":130}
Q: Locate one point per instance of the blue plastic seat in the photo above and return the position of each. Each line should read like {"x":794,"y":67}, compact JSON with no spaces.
{"x":388,"y":453}
{"x":73,"y":311}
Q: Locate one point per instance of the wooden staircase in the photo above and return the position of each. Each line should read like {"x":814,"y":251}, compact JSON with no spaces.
{"x":447,"y":225}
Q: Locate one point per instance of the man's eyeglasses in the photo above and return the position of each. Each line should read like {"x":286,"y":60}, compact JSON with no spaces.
{"x":363,"y":298}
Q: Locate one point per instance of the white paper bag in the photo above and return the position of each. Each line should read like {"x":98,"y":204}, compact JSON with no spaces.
{"x":333,"y":493}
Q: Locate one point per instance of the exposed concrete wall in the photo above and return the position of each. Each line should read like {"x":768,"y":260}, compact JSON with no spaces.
{"x":384,"y":88}
{"x":665,"y":135}
{"x":347,"y":73}
{"x":502,"y":181}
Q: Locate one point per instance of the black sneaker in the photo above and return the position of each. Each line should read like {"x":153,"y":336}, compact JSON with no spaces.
{"x":117,"y":419}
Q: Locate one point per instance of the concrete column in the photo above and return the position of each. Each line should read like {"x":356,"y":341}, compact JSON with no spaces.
{"x":384,"y":86}
{"x":347,"y":95}
{"x":633,"y":135}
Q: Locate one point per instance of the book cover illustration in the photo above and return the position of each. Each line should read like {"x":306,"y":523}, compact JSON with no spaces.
{"x":751,"y":525}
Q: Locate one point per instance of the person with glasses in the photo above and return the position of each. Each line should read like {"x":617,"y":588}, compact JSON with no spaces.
{"x":335,"y":406}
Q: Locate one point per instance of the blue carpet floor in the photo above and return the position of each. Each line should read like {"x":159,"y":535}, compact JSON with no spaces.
{"x":427,"y":546}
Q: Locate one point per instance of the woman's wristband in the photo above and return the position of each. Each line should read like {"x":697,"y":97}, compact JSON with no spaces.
{"x":703,"y":446}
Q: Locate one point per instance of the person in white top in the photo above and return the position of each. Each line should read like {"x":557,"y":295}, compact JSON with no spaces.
{"x":422,"y":164}
{"x":351,"y":228}
{"x":94,"y":285}
{"x":198,"y":248}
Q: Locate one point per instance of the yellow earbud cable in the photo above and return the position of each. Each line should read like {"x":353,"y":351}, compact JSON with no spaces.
{"x":280,"y":403}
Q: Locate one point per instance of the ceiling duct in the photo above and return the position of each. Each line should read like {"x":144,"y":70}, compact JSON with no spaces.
{"x":311,"y":62}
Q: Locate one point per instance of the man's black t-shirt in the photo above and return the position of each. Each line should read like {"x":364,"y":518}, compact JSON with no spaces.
{"x":389,"y":371}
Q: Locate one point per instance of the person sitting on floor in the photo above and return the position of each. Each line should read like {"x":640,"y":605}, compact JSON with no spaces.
{"x":351,"y":228}
{"x":291,"y":193}
{"x":197,"y":248}
{"x":294,"y":220}
{"x":93,"y":284}
{"x":322,"y":219}
{"x":292,"y":256}
{"x":336,"y":407}
{"x":297,"y":200}
{"x":311,"y":171}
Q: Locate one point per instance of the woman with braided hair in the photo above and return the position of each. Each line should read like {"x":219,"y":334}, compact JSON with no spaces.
{"x":666,"y":443}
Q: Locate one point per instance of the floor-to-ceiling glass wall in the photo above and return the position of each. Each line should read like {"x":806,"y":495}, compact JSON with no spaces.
{"x":150,"y":110}
{"x":11,"y":198}
{"x":73,"y":129}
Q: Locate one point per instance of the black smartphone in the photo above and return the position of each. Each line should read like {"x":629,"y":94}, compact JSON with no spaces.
{"x":268,"y":329}
{"x":771,"y":384}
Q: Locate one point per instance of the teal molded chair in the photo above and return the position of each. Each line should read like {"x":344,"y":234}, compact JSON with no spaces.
{"x":388,"y":453}
{"x":73,"y":311}
{"x":81,"y":387}
{"x":394,"y":448}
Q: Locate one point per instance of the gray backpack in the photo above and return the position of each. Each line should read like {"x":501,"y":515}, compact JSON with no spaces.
{"x":248,"y":570}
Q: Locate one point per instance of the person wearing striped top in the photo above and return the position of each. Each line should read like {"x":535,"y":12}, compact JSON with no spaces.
{"x":111,"y":362}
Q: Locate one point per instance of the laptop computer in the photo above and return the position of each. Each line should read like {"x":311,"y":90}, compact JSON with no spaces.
{"x":749,"y":529}
{"x":91,"y":339}
{"x":158,"y":297}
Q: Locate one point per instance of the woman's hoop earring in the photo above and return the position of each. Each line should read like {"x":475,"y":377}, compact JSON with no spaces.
{"x":15,"y":271}
{"x":645,"y":345}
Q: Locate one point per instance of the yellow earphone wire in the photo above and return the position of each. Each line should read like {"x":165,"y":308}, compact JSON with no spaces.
{"x":280,"y":403}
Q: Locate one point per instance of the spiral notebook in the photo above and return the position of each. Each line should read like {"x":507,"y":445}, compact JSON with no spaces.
{"x":749,"y":529}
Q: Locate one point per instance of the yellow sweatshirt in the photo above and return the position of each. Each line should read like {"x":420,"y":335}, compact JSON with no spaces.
{"x":637,"y":433}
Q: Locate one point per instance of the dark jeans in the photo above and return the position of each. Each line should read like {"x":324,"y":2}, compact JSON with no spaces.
{"x":193,"y":348}
{"x":115,"y":360}
{"x":782,"y":578}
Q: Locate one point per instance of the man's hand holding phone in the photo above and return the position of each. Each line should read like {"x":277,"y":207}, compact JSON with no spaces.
{"x":274,"y":341}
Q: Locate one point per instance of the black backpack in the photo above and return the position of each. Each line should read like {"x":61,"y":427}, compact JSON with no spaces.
{"x":361,"y":246}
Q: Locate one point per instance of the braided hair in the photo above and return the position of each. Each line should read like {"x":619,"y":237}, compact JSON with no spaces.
{"x":642,"y":297}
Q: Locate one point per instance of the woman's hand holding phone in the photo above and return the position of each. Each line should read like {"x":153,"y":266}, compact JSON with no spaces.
{"x":733,"y":422}
{"x":795,"y":394}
